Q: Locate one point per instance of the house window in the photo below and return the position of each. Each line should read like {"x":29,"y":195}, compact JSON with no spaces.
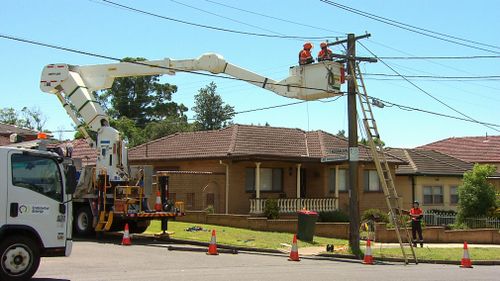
{"x":190,"y":200}
{"x":343,"y":180}
{"x":372,"y":182}
{"x":433,"y":195}
{"x":271,"y":179}
{"x":210,"y":199}
{"x":454,"y":195}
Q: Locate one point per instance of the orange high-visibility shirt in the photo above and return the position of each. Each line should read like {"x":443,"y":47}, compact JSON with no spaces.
{"x":416,"y":211}
{"x":304,"y":56}
{"x":322,"y":55}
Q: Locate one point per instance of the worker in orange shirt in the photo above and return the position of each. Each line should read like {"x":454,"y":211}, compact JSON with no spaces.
{"x":305,"y":56}
{"x":416,"y":215}
{"x":325,"y":53}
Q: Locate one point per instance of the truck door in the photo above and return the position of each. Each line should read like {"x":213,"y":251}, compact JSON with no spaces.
{"x":34,"y":196}
{"x":3,"y":192}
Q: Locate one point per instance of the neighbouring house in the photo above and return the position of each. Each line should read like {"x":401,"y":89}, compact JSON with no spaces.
{"x":430,"y":177}
{"x":237,"y":169}
{"x":22,"y":134}
{"x":481,"y":150}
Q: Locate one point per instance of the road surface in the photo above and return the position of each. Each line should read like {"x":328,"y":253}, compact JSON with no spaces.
{"x":109,"y":261}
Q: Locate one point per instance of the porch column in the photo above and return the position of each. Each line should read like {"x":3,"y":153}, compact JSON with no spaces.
{"x":257,"y":180}
{"x":298,"y":180}
{"x":337,"y":182}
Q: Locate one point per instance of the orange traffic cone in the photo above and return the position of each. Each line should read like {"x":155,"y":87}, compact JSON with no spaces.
{"x":126,"y":237}
{"x":466,"y":262}
{"x":158,"y":206}
{"x":368,"y":259}
{"x":294,"y":253}
{"x":212,"y":248}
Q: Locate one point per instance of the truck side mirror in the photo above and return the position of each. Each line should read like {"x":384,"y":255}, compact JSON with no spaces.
{"x":71,"y":180}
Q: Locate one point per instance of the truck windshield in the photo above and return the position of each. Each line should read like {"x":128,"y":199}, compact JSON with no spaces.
{"x":37,"y":173}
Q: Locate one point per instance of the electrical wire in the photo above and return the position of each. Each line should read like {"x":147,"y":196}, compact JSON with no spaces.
{"x":427,"y":93}
{"x":439,"y":57}
{"x":224,"y":17}
{"x":118,"y":5}
{"x":301,"y":24}
{"x":409,"y":108}
{"x":483,"y":77}
{"x":415,"y":29}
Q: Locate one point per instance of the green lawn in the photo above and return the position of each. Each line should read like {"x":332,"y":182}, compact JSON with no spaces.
{"x":454,"y":254}
{"x":240,"y":237}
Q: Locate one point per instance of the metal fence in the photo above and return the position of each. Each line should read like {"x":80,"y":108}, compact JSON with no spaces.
{"x":437,"y":218}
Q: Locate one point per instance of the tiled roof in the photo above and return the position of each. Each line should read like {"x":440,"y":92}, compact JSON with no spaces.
{"x":83,"y":151}
{"x":240,"y":141}
{"x":10,"y":129}
{"x":484,"y":149}
{"x":429,"y":162}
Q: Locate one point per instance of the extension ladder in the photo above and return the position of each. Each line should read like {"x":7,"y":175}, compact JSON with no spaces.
{"x":380,"y":160}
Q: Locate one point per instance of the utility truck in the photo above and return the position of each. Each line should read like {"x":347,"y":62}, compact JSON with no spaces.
{"x":111,"y":194}
{"x":35,"y":210}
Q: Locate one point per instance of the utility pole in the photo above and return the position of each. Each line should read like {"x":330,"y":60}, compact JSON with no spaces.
{"x":353,"y":147}
{"x":350,"y":58}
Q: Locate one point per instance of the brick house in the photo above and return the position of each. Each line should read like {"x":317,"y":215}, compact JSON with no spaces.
{"x":238,"y":168}
{"x":482,"y":150}
{"x":430,"y":177}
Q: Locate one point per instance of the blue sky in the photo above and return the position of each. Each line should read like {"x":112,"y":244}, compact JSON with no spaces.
{"x":96,"y":27}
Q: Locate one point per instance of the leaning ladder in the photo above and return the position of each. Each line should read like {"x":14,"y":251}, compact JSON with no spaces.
{"x":392,"y":199}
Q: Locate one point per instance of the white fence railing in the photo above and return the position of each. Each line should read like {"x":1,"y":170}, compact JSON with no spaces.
{"x":292,"y":205}
{"x":437,"y":218}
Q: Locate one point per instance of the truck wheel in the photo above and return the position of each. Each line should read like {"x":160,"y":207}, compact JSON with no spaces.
{"x":20,"y":258}
{"x":138,"y":227}
{"x":84,"y":221}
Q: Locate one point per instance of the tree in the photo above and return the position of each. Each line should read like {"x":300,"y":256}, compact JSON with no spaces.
{"x":142,"y":99}
{"x":476,"y":197}
{"x":33,"y":118}
{"x":141,"y":108}
{"x":9,"y":116}
{"x":211,"y":112}
{"x":29,"y":118}
{"x":341,"y":133}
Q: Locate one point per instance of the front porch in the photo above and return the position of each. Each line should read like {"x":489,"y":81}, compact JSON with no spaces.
{"x":293,"y":205}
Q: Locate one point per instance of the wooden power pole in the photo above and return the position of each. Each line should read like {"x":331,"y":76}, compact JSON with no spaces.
{"x":351,"y":60}
{"x":353,"y":147}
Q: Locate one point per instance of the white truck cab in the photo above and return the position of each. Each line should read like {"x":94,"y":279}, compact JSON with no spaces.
{"x":35,"y":210}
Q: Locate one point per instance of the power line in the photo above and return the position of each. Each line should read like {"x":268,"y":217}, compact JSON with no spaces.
{"x":486,"y":77}
{"x":409,"y":108}
{"x":37,"y":43}
{"x":439,"y":57}
{"x":415,"y":29}
{"x":427,"y":93}
{"x":214,"y":27}
{"x":302,"y":24}
{"x":224,"y":17}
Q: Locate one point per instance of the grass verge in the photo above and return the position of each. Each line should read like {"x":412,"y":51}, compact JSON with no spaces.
{"x":239,"y":236}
